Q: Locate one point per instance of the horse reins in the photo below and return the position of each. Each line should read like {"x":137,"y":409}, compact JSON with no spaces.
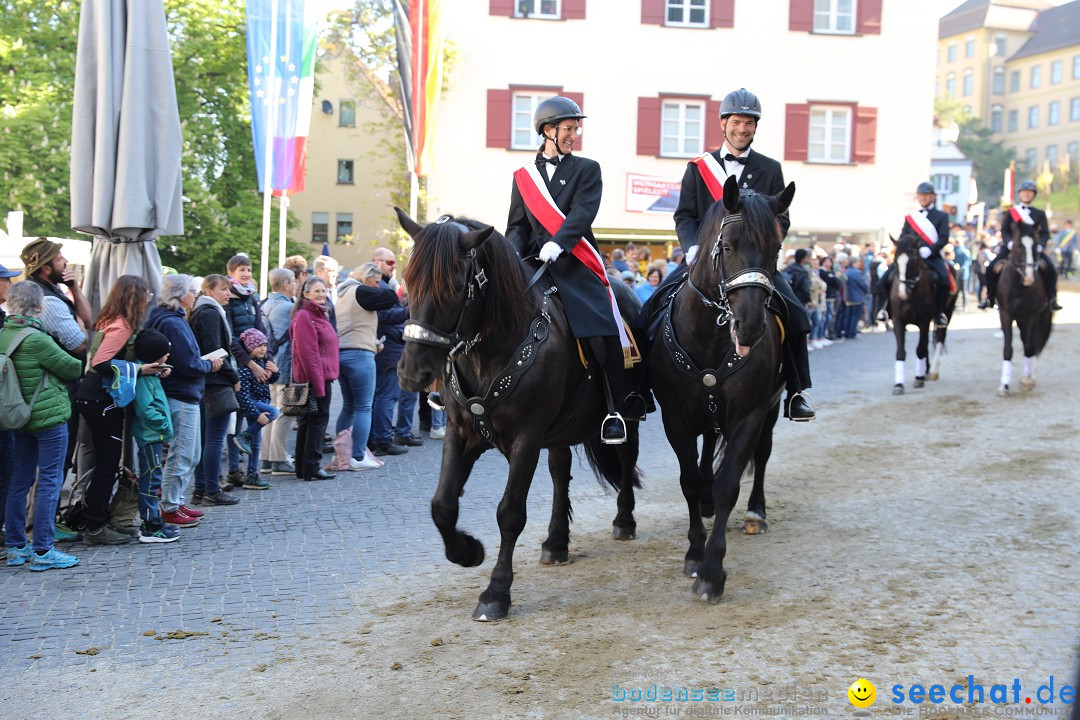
{"x":750,"y":277}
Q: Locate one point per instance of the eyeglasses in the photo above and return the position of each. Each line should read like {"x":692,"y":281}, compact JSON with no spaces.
{"x":576,"y":130}
{"x":391,"y":263}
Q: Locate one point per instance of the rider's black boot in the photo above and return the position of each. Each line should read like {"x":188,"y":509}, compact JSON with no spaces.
{"x":797,"y":407}
{"x":609,"y":360}
{"x":942,"y":301}
{"x":991,"y":289}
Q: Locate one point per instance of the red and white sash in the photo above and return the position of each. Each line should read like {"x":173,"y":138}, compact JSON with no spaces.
{"x":712,"y":174}
{"x":534,"y":192}
{"x":923,"y":228}
{"x":1021,"y":215}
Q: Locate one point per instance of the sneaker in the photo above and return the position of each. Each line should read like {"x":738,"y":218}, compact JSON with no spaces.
{"x":53,"y":559}
{"x":105,"y":535}
{"x":234,"y":479}
{"x":197,"y":497}
{"x":370,"y":457}
{"x":264,"y":466}
{"x":364,"y":464}
{"x":161,"y":534}
{"x":242,"y":441}
{"x":191,"y":512}
{"x":179,"y":518}
{"x":282,"y":468}
{"x":388,"y":449}
{"x":219,"y":498}
{"x":438,"y":433}
{"x":129,"y":530}
{"x":254,"y":482}
{"x":19,"y":555}
{"x":408,"y":440}
{"x":63,"y":533}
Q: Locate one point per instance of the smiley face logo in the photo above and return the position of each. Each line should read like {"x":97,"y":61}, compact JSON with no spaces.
{"x":862,"y":693}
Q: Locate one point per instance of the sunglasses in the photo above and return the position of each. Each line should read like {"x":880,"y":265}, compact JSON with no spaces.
{"x":391,"y":263}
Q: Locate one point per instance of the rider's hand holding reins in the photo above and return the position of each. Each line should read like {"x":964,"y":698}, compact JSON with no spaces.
{"x":924,"y":252}
{"x":691,"y":255}
{"x":550,"y":251}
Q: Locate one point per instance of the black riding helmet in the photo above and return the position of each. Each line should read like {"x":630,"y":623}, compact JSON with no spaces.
{"x":925,"y":187}
{"x":740,"y":102}
{"x":1028,"y":185}
{"x":554,"y":109}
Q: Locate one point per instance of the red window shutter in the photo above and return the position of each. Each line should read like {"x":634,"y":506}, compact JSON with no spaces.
{"x":498,"y":118}
{"x":864,"y":143}
{"x":652,"y":12}
{"x":714,"y":136}
{"x":797,"y":132}
{"x":801,"y":15}
{"x":869,"y":22}
{"x":501,"y":7}
{"x":722,"y":13}
{"x":648,"y":126}
{"x":573,"y":10}
{"x":579,"y":98}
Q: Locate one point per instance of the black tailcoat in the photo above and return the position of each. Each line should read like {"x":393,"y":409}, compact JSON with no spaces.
{"x":1042,"y":229}
{"x":576,"y":188}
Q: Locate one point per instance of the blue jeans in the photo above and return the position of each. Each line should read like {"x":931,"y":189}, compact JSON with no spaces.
{"x":406,"y":408}
{"x":149,"y":483}
{"x":208,"y":471}
{"x":184,"y":454}
{"x":234,"y":452}
{"x":255,"y":431}
{"x":41,"y":455}
{"x":438,"y":419}
{"x":357,"y":381}
{"x":852,"y":313}
{"x":387,"y":392}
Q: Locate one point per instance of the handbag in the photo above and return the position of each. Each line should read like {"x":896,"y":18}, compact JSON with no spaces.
{"x":297,"y":400}
{"x":220,"y":400}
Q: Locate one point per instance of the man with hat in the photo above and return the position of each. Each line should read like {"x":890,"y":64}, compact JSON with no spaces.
{"x":1025,"y":214}
{"x":930,"y":228}
{"x":553,"y":203}
{"x":740,"y":113}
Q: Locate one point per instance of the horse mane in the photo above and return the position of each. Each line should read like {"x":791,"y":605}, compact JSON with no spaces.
{"x":759,"y":216}
{"x":434,"y":265}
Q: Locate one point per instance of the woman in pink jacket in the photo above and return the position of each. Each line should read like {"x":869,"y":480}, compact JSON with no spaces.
{"x":315,"y":361}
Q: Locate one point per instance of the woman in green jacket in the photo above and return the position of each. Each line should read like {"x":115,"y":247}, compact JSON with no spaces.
{"x":42,"y":442}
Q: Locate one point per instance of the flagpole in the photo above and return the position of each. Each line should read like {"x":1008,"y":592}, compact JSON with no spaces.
{"x":283,"y":215}
{"x":268,"y":150}
{"x":419,"y":89}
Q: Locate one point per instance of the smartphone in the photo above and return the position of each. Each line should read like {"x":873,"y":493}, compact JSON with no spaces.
{"x":164,"y":366}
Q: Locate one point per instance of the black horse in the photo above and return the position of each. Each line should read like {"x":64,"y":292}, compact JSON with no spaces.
{"x":913,"y":301}
{"x":1022,"y":298}
{"x":514,"y":379}
{"x":715,"y":369}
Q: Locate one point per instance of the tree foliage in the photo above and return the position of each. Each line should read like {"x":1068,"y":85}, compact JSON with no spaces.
{"x":989,"y":156}
{"x":222,"y":209}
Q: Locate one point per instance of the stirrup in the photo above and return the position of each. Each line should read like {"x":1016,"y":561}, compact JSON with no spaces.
{"x":434,"y":401}
{"x":810,"y":400}
{"x":613,"y":441}
{"x":636,"y":401}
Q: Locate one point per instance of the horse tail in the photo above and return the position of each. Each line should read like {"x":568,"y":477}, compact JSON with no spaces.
{"x":606,"y":460}
{"x":1045,"y":323}
{"x":718,"y":456}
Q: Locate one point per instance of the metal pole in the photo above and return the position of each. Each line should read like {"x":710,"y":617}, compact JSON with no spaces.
{"x":268,"y":149}
{"x":283,"y":215}
{"x":414,"y":190}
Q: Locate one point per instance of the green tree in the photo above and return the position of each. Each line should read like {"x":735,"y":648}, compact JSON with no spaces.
{"x":989,"y":156}
{"x":222,"y":208}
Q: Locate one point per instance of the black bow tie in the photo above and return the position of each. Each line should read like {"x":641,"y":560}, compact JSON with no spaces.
{"x":741,"y":159}
{"x":552,"y":160}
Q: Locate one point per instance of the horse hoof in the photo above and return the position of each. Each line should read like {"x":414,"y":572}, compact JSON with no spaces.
{"x":690,"y":568}
{"x":919,"y":382}
{"x":469,"y":553}
{"x":488,"y":612}
{"x":1027,"y":384}
{"x":935,"y":376}
{"x":755,"y":526}
{"x":898,"y":389}
{"x":623,"y":533}
{"x":709,"y":590}
{"x":554,"y":557}
{"x":1003,"y":391}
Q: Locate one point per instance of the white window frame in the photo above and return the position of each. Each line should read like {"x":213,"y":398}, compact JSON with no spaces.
{"x":950,"y":55}
{"x":1076,"y":67}
{"x":831,"y":114}
{"x":681,"y":137}
{"x":1033,"y":117}
{"x":999,"y":44}
{"x":1074,"y":109}
{"x":997,"y":80}
{"x":968,"y":83}
{"x":685,"y":6}
{"x":943,"y":183}
{"x":539,"y":15}
{"x":340,"y":218}
{"x":325,"y":217}
{"x":832,"y":18}
{"x":1035,"y":77}
{"x":1056,"y":72}
{"x":969,"y":48}
{"x":1053,"y":113}
{"x":516,"y":115}
{"x":997,"y":118}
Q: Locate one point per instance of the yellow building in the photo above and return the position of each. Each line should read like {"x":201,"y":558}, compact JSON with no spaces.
{"x":1016,"y":65}
{"x":356,"y":153}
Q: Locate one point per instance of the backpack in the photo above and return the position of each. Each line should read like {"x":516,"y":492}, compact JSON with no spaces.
{"x":272,"y":342}
{"x":14,"y":410}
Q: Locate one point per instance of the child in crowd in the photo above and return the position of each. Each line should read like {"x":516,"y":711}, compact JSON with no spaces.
{"x":152,"y":428}
{"x":254,"y":399}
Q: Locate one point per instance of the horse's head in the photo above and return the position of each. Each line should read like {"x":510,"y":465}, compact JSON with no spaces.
{"x":1022,"y":251}
{"x":740,"y":239}
{"x":907,"y":260}
{"x":455,"y":266}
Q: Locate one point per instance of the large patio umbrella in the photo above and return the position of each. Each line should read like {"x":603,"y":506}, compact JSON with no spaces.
{"x":125,"y":142}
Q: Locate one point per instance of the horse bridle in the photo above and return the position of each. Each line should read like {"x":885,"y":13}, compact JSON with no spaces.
{"x":750,"y":277}
{"x":475,"y":291}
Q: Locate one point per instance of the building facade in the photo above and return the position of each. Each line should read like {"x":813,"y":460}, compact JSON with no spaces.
{"x":838,"y":104}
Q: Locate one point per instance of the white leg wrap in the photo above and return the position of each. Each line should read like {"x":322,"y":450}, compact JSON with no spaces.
{"x":920,"y":365}
{"x":899,"y":372}
{"x":1029,"y":367}
{"x":935,"y":358}
{"x":1006,"y":372}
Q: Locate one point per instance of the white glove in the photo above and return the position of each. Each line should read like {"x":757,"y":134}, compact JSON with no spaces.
{"x":924,"y":252}
{"x":550,"y":251}
{"x":691,"y":254}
